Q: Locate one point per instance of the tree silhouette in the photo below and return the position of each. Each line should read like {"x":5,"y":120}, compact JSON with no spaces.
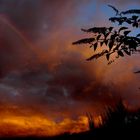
{"x":114,"y":40}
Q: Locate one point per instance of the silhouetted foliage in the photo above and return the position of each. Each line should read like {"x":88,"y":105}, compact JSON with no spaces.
{"x":90,"y":121}
{"x":115,"y":117}
{"x":117,"y":123}
{"x":118,"y":41}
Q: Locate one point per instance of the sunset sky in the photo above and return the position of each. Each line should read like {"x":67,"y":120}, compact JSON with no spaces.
{"x":47,"y":80}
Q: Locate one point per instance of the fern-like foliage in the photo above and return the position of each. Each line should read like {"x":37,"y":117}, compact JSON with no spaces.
{"x":118,"y":41}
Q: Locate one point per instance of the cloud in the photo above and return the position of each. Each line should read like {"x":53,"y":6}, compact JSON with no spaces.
{"x":50,"y":74}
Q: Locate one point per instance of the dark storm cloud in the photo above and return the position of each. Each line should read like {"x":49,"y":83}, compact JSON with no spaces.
{"x":24,"y":13}
{"x":32,"y":16}
{"x":68,"y":86}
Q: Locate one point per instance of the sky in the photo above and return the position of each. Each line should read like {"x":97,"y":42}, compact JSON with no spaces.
{"x":44,"y":78}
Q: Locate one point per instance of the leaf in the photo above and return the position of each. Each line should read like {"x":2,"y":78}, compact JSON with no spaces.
{"x":113,"y":36}
{"x":137,"y":40}
{"x":111,"y":43}
{"x":116,"y":48}
{"x":95,"y":46}
{"x":126,"y":41}
{"x":122,"y":28}
{"x":91,"y":46}
{"x":107,"y":35}
{"x":128,"y":21}
{"x":106,"y":42}
{"x":137,"y":72}
{"x":112,"y":19}
{"x":95,"y":30}
{"x":120,"y":53}
{"x":132,"y":11}
{"x":134,"y":17}
{"x":132,"y":44}
{"x":101,"y":43}
{"x":107,"y":56}
{"x":84,"y":41}
{"x":110,"y":62}
{"x":98,"y":37}
{"x":95,"y":56}
{"x":84,"y":30}
{"x":135,"y":24}
{"x":110,"y":28}
{"x":120,"y":22}
{"x":138,"y":35}
{"x":127,"y":52}
{"x":126,"y":32}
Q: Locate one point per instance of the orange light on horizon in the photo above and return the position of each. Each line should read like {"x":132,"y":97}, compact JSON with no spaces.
{"x":13,"y":125}
{"x":98,"y":121}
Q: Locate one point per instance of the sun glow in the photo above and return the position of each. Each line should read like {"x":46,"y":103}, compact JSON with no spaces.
{"x":13,"y":125}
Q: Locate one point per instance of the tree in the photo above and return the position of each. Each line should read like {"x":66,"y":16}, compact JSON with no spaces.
{"x":114,"y":40}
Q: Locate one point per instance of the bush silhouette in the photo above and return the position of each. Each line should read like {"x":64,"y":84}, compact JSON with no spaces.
{"x":118,"y":40}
